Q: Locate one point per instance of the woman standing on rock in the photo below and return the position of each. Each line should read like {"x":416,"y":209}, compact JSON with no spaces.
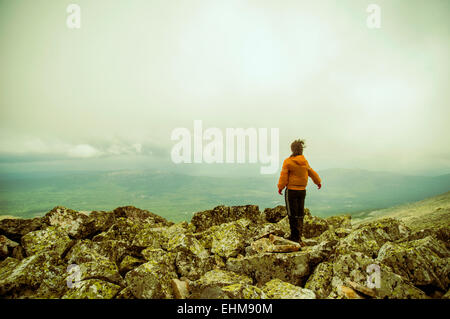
{"x":294,"y":177}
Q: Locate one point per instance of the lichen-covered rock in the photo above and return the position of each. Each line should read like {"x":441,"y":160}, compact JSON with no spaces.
{"x":319,"y":281}
{"x":122,"y":229}
{"x":125,"y":293}
{"x":6,"y":247}
{"x":328,"y":235}
{"x":180,"y":288}
{"x":97,"y":222}
{"x":274,"y":215}
{"x":138,"y":215}
{"x":423,"y":262}
{"x":320,"y":252}
{"x":92,"y":289}
{"x":150,"y":237}
{"x":67,"y":220}
{"x":243,"y":291}
{"x":38,"y":276}
{"x":278,"y":289}
{"x":92,"y":262}
{"x":128,"y":263}
{"x":84,"y":251}
{"x":187,"y":243}
{"x":15,"y":228}
{"x":103,"y":269}
{"x":48,"y":239}
{"x":192,"y":266}
{"x":228,"y":239}
{"x":161,"y":257}
{"x":280,"y":228}
{"x":354,"y":267}
{"x":150,"y":281}
{"x":290,"y":267}
{"x":313,"y":226}
{"x":341,"y":221}
{"x":214,"y":279}
{"x":368,"y":238}
{"x":224,"y":214}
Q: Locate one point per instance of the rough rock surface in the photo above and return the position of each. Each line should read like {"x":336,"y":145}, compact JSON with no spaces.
{"x":227,"y":253}
{"x":277,"y":289}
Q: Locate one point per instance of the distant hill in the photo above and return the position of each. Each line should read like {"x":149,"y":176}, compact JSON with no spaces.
{"x":178,"y":196}
{"x":430,"y":212}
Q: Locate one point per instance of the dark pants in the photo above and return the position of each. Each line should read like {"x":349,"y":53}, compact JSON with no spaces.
{"x":295,"y":206}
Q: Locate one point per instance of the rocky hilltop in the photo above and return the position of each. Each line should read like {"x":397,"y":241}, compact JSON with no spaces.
{"x":225,"y":252}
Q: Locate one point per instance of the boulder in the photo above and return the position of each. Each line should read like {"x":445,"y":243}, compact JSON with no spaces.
{"x":180,"y":289}
{"x":210,"y":283}
{"x":6,"y":247}
{"x":321,"y":252}
{"x":125,"y":293}
{"x":128,"y":263}
{"x":341,"y":221}
{"x":48,"y":239}
{"x":102,"y":269}
{"x":290,"y":267}
{"x":278,"y":289}
{"x":274,"y":215}
{"x":138,"y":215}
{"x":151,"y":281}
{"x":313,"y":226}
{"x":15,"y":228}
{"x":320,"y":280}
{"x":281,"y":229}
{"x":243,"y":291}
{"x":192,"y":266}
{"x":96,"y":223}
{"x":227,"y":239}
{"x":424,"y":262}
{"x":92,"y":262}
{"x":123,"y":229}
{"x":92,"y":289}
{"x":368,"y":238}
{"x":224,"y":214}
{"x":356,"y":267}
{"x":68,"y":220}
{"x":38,"y":276}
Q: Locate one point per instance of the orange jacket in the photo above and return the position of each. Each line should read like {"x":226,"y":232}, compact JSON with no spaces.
{"x":295,"y":172}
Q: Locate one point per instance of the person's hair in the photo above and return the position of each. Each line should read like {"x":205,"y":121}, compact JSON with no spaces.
{"x":297,"y":147}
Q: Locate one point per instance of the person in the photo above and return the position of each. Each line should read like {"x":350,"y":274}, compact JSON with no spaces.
{"x":294,"y":177}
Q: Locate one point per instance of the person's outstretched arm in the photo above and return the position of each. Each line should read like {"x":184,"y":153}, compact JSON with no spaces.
{"x":282,"y":182}
{"x":314,"y":176}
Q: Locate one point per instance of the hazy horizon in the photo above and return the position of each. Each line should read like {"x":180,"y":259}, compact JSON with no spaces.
{"x":108,"y":95}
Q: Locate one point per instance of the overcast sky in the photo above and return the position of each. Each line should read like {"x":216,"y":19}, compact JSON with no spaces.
{"x":109,"y":94}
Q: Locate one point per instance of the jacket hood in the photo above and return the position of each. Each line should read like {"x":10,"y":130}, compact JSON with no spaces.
{"x":299,"y":159}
